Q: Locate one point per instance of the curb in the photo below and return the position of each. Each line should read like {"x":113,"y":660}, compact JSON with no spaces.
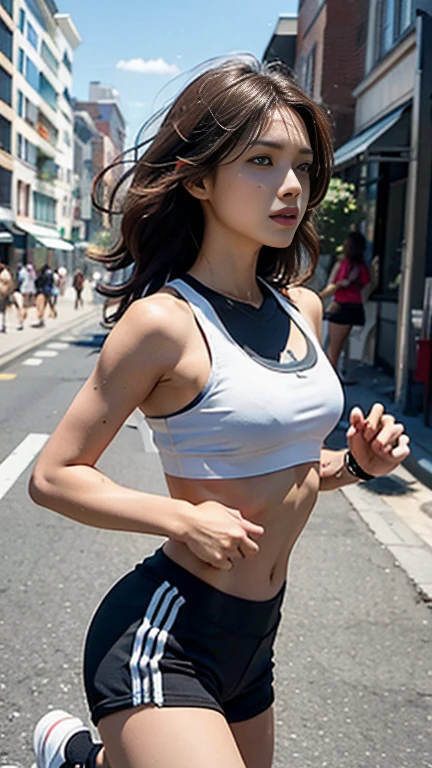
{"x":69,"y":325}
{"x":410,"y":552}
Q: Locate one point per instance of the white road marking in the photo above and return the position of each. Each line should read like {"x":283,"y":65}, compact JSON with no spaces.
{"x":144,"y":431}
{"x":68,"y":339}
{"x":57,"y":345}
{"x":12,"y":467}
{"x":46,"y":353}
{"x":33,"y":361}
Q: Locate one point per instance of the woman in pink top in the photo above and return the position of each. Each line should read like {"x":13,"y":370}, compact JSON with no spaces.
{"x":346,"y":283}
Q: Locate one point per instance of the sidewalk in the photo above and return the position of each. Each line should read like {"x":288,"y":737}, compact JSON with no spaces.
{"x":373,"y":385}
{"x":14,"y":343}
{"x":397,"y":508}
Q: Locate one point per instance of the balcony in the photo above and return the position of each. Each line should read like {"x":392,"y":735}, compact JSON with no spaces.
{"x":47,"y":169}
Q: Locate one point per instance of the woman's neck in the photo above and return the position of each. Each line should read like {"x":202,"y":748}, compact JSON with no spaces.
{"x":229,"y":271}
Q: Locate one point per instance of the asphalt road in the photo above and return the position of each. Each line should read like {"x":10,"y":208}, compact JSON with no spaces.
{"x":354,"y":660}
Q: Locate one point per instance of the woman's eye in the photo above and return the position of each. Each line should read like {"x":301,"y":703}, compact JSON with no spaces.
{"x":305,"y":167}
{"x":261,"y":160}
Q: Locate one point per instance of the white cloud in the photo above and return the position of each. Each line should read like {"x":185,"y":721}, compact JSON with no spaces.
{"x":148,"y":67}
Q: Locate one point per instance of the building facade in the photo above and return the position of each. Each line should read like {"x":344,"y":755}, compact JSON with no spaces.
{"x":7,"y":68}
{"x":331,"y":43}
{"x":383,"y":159}
{"x":35,"y":97}
{"x":104,"y":111}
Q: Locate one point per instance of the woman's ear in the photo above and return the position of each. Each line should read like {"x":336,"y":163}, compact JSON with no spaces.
{"x":198,"y":189}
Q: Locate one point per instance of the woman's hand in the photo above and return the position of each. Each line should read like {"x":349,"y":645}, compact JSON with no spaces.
{"x":219,"y":535}
{"x":377,"y":441}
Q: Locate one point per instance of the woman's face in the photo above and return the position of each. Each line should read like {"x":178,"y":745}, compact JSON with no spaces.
{"x":262,"y":195}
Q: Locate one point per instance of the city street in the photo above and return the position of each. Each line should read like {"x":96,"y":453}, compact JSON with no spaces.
{"x":353,"y":665}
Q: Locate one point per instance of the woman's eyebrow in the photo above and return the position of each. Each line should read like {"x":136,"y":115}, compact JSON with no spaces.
{"x":278,"y":145}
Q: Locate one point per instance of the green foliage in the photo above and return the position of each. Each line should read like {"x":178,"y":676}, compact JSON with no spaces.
{"x":337,"y":215}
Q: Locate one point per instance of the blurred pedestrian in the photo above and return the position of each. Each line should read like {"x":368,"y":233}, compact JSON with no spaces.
{"x":78,"y":285}
{"x":44,"y":286}
{"x":62,"y":272}
{"x":28,"y":288}
{"x":7,"y":285}
{"x":346,"y":283}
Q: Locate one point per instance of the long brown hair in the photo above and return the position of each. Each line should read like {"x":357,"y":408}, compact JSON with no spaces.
{"x":224,"y":108}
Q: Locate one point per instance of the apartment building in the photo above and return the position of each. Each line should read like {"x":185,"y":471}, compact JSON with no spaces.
{"x":6,"y":127}
{"x":104,"y":110}
{"x":44,"y":45}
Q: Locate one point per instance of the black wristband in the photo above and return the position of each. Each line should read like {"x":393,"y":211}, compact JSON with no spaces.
{"x":355,"y":469}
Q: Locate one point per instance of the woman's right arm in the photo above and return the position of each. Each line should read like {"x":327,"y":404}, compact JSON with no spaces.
{"x":144,"y":346}
{"x":137,"y":353}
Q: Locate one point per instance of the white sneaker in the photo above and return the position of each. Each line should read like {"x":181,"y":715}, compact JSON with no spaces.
{"x":51,"y":735}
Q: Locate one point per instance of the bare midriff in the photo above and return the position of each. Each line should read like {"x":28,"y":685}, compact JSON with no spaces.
{"x":279,"y":501}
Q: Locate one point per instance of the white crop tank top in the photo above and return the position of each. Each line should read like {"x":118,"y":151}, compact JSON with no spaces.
{"x":254,"y":415}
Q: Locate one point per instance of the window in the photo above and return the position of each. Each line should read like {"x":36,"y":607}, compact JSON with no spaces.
{"x":49,"y":58}
{"x":67,"y":62}
{"x":31,"y":112}
{"x":67,"y":96}
{"x":44,"y":208}
{"x":309,"y":72}
{"x":20,"y":104}
{"x":21,"y":22}
{"x":5,"y":40}
{"x":405,"y":16}
{"x":5,"y":87}
{"x":5,"y":134}
{"x":23,"y":198}
{"x":32,"y":36}
{"x":30,"y":153}
{"x":5,"y":187}
{"x":8,"y":6}
{"x":393,"y":18}
{"x":47,"y":91}
{"x":67,"y":138}
{"x":32,"y":74}
{"x":32,"y":5}
{"x":20,"y":146}
{"x":21,"y":61}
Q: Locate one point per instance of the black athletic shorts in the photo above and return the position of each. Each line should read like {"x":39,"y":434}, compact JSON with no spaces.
{"x":162,"y":636}
{"x":351,"y":313}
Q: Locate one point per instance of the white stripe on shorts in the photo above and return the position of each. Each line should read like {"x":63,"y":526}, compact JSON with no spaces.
{"x":163,"y":621}
{"x":139,"y":640}
{"x":154,"y":669}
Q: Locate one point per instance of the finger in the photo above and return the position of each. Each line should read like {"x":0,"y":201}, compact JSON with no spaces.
{"x":253,"y":528}
{"x":393,"y":439}
{"x":249,"y":548}
{"x":402,"y":450}
{"x":357,"y":420}
{"x":372,"y":423}
{"x":386,"y":434}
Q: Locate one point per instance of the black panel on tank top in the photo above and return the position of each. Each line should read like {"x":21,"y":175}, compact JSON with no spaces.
{"x":265,"y":330}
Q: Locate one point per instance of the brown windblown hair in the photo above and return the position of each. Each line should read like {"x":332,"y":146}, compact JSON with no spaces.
{"x":224,"y":108}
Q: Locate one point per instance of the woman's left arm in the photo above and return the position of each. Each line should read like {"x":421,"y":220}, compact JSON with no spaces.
{"x":376,"y":442}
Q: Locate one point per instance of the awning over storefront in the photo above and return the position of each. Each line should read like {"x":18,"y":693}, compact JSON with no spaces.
{"x":6,"y":236}
{"x":45,"y":236}
{"x":365,"y":142}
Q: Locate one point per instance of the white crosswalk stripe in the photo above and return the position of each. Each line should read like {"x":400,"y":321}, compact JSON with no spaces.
{"x":17,"y":461}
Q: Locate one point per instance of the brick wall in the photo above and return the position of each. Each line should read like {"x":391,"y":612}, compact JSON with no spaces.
{"x":337,"y":29}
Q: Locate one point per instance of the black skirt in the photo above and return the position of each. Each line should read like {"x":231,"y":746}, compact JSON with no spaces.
{"x":346,"y":314}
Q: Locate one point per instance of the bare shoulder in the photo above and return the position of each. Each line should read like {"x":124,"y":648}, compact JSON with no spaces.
{"x":308,"y":303}
{"x":153,"y":329}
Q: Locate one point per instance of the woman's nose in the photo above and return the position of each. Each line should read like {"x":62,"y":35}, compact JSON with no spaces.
{"x":291,"y":185}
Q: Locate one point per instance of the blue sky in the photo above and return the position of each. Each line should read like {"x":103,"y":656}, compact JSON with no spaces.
{"x":176,"y":34}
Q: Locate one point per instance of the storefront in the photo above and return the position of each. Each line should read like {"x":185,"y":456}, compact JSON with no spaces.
{"x":377,"y":162}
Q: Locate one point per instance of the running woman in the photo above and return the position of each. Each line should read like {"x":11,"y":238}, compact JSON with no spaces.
{"x":240,"y":396}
